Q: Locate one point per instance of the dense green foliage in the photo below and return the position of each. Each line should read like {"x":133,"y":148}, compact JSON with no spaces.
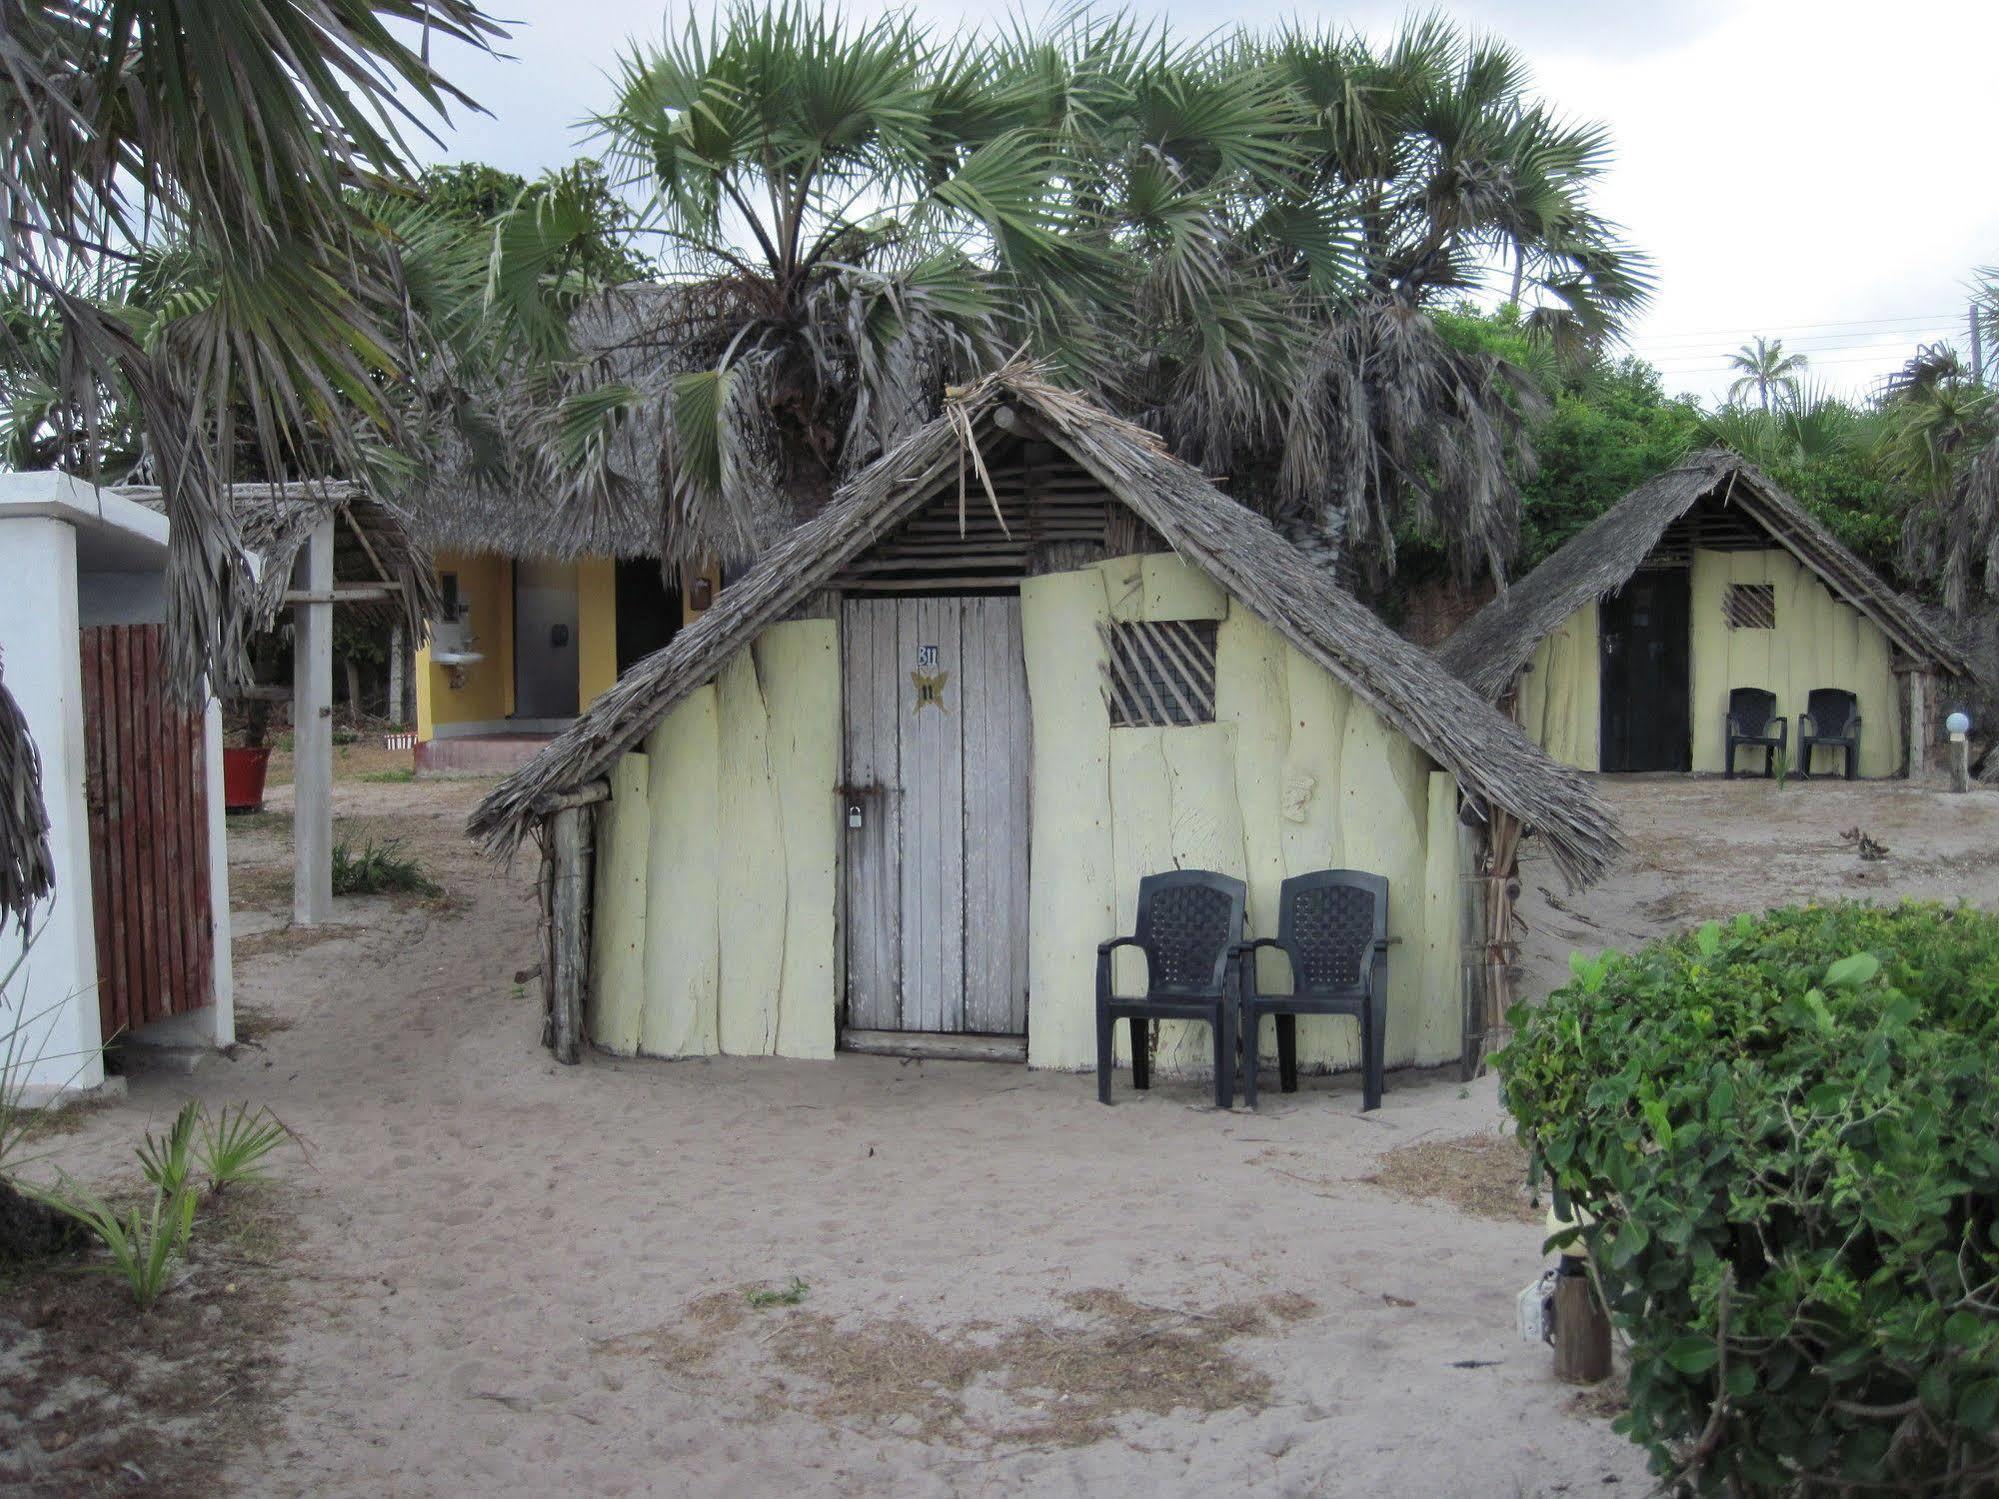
{"x":1787,"y":1129}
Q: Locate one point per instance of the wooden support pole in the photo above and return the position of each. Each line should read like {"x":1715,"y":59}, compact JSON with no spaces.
{"x":396,"y":648}
{"x":1582,"y":1328}
{"x":569,"y":930}
{"x":1960,"y":763}
{"x":1919,"y":725}
{"x":312,"y":730}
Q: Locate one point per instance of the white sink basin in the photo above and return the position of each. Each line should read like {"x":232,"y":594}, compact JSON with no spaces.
{"x":456,"y":658}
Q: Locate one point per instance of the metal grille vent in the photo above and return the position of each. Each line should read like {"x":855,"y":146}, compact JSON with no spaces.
{"x":1750,"y":606}
{"x":1159,"y":673}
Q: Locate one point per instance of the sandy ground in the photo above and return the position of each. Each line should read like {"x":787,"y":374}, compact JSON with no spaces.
{"x":514,"y":1278}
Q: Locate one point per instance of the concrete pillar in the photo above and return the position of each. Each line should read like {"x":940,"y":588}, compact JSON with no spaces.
{"x":53,"y":991}
{"x":312,"y":730}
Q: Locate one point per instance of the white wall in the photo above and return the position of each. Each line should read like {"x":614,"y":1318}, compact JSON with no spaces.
{"x":55,"y":989}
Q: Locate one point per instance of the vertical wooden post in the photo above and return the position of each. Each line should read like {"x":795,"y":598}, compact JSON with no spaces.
{"x":312,"y":730}
{"x":1582,"y":1330}
{"x":1919,"y":725}
{"x":396,"y":667}
{"x":1960,"y":763}
{"x":569,"y":934}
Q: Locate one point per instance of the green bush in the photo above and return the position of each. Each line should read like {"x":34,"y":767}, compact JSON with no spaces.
{"x":1787,"y":1129}
{"x":379,"y":869}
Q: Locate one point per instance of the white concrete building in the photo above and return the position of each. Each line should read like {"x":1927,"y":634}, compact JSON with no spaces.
{"x":137,"y":932}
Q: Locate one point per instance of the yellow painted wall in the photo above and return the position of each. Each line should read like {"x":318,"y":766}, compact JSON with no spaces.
{"x":1558,"y":702}
{"x":1818,"y":642}
{"x":715,"y":923}
{"x":596,"y":628}
{"x":486,"y":583}
{"x":736,"y":869}
{"x":1294,"y":775}
{"x":487,"y":695}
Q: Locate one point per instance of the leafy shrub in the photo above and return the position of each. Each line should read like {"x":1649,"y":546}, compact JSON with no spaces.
{"x":233,"y":1146}
{"x":1787,"y":1129}
{"x":379,"y":869}
{"x":142,"y":1244}
{"x":164,"y":1159}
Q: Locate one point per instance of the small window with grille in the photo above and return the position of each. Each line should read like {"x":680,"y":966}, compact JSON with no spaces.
{"x":1159,"y":673}
{"x":1750,"y":606}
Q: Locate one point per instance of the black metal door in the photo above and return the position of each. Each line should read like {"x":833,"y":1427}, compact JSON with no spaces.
{"x":1647,"y":724}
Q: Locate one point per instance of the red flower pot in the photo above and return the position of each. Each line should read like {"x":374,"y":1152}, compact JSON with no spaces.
{"x":243,"y":778}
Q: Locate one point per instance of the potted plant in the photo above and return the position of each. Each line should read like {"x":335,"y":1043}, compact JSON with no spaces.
{"x":245,"y":765}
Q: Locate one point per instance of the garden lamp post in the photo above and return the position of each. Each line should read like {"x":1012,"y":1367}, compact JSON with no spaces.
{"x":1959,"y":725}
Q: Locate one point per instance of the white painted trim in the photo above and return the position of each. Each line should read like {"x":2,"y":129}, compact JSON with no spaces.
{"x":60,"y":497}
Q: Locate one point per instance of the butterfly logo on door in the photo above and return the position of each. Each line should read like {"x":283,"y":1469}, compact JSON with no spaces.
{"x":929,"y":687}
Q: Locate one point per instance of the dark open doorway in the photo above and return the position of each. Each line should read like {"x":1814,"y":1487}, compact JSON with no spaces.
{"x":1647,"y":722}
{"x":648,"y":610}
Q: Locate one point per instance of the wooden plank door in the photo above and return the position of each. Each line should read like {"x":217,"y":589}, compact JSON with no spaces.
{"x":146,"y":791}
{"x":937,"y":754}
{"x":1646,"y":711}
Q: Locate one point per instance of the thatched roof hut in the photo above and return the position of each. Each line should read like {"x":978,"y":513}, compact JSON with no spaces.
{"x":1706,"y":525}
{"x":1400,"y":681}
{"x":908,"y":770}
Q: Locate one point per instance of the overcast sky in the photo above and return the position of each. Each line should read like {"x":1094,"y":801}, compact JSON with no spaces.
{"x":1815,"y":170}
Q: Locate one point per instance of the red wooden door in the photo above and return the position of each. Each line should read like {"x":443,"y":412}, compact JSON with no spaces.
{"x":146,"y":786}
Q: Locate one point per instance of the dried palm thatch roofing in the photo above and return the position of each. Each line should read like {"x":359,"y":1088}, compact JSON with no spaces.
{"x":1490,"y":650}
{"x":1493,"y":760}
{"x":495,"y":496}
{"x":371,"y":542}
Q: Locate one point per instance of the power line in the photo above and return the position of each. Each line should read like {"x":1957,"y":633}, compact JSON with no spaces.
{"x":1767,"y":329}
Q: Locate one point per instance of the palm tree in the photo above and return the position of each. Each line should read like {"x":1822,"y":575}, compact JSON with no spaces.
{"x":848,"y":216}
{"x":1942,"y":442}
{"x":234,"y":138}
{"x":1765,"y":366}
{"x":1291,"y":212}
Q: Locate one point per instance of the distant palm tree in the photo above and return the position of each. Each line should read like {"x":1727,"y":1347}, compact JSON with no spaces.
{"x":1765,"y":366}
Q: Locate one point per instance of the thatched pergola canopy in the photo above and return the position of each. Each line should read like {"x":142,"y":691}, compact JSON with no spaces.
{"x":1490,"y":650}
{"x":1495,"y":763}
{"x":372,"y":544}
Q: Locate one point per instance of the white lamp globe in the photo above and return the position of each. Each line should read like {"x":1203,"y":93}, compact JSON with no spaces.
{"x":1958,"y":723}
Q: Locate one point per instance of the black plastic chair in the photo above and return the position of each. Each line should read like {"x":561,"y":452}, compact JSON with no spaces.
{"x":1752,"y":715}
{"x":1189,"y":926}
{"x":1831,"y":720}
{"x":1333,"y":927}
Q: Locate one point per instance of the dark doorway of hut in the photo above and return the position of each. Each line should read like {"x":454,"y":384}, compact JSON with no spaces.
{"x":546,"y":667}
{"x":1647,"y":722}
{"x":935,"y":806}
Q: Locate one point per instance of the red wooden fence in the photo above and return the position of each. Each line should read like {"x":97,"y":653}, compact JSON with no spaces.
{"x":147,"y":790}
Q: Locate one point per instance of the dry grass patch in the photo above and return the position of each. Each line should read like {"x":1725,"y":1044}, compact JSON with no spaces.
{"x":1484,"y":1175}
{"x":260,"y":887}
{"x":286,"y":939}
{"x":1063,"y":1382}
{"x":97,"y":1398}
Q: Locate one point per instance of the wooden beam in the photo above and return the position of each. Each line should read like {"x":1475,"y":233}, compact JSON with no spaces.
{"x":344,"y":593}
{"x":1919,"y":725}
{"x":312,"y":730}
{"x":569,"y":930}
{"x":934,"y":1046}
{"x":362,"y":537}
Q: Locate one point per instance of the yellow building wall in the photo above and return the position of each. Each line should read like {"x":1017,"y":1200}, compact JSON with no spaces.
{"x":717,"y":889}
{"x":487,"y":691}
{"x":1294,"y":775}
{"x":596,"y":628}
{"x":1818,"y":642}
{"x":1558,"y":701}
